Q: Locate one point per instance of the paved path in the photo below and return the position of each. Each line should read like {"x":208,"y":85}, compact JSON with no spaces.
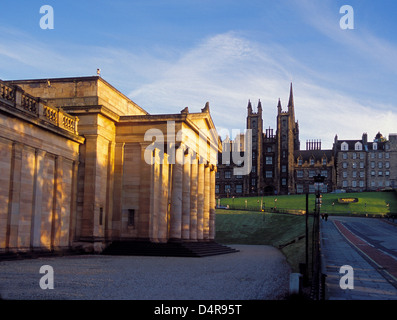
{"x":373,"y":259}
{"x":256,"y":272}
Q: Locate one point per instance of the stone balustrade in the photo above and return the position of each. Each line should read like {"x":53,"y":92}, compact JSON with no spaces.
{"x":16,"y":98}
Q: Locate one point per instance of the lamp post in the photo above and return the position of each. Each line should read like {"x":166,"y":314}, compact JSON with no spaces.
{"x":318,"y":183}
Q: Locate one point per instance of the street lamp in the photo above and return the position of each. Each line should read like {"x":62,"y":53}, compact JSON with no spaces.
{"x":318,"y":183}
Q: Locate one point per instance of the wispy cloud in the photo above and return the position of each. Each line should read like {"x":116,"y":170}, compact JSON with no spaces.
{"x":225,"y":69}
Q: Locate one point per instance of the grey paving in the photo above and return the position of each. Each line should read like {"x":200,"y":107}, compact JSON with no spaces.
{"x":256,"y":272}
{"x":369,"y":283}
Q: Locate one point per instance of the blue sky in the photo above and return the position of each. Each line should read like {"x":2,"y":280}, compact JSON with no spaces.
{"x":166,"y":55}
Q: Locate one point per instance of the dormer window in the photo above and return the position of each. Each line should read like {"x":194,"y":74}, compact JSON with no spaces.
{"x":344,"y":146}
{"x":358,"y":146}
{"x":375,"y":146}
{"x":312,"y":161}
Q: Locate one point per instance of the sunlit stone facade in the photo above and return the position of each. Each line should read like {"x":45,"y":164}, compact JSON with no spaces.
{"x":83,"y":165}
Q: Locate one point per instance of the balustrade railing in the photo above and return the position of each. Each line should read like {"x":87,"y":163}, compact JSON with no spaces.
{"x":15,"y":97}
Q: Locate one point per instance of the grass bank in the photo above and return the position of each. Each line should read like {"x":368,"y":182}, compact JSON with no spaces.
{"x":283,"y":231}
{"x":368,"y":203}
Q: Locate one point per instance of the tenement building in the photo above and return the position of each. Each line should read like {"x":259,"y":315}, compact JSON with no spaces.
{"x":82,"y":165}
{"x":363,"y":165}
{"x":278,"y":166}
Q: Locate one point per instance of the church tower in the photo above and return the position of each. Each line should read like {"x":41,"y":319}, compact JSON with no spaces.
{"x":287,"y":143}
{"x":254,"y":184}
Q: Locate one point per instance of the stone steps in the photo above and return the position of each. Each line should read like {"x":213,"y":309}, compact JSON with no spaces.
{"x":174,"y":249}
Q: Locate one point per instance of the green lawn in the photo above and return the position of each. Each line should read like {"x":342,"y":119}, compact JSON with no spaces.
{"x":369,"y":203}
{"x":257,"y":228}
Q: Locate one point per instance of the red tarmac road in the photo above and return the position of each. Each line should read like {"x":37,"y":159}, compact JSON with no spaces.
{"x":383,"y":260}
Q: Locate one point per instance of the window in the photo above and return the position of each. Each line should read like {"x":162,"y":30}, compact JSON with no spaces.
{"x":217,"y":175}
{"x":362,"y":174}
{"x":344,"y":165}
{"x":361,"y":184}
{"x":362,"y":155}
{"x":387,"y":165}
{"x":344,"y":156}
{"x":311,"y":161}
{"x":239,"y":176}
{"x":380,"y":165}
{"x":269,"y":174}
{"x":312,"y":173}
{"x":373,"y":173}
{"x":311,"y":188}
{"x":269,"y":149}
{"x":358,"y":146}
{"x":217,"y":188}
{"x":354,"y":165}
{"x":344,"y":184}
{"x":324,"y":188}
{"x":372,"y":155}
{"x":300,"y":162}
{"x":283,"y":168}
{"x":269,"y":160}
{"x":354,"y":155}
{"x":380,"y":173}
{"x":254,"y":169}
{"x":354,"y":174}
{"x":253,"y":182}
{"x":344,"y":174}
{"x":239,"y":188}
{"x":299,"y":174}
{"x":284,"y":182}
{"x":228,"y":174}
{"x":375,"y":146}
{"x":228,"y":188}
{"x":380,"y":155}
{"x":372,"y":164}
{"x":131,"y":217}
{"x":324,"y":161}
{"x":344,"y":146}
{"x":324,"y":173}
{"x":299,"y":188}
{"x":387,"y":173}
{"x":361,"y":165}
{"x":387,"y":155}
{"x":354,"y":183}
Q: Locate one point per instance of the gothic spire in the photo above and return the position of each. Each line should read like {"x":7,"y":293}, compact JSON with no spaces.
{"x":291,"y":99}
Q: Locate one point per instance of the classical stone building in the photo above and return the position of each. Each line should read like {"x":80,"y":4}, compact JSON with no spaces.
{"x":82,"y":165}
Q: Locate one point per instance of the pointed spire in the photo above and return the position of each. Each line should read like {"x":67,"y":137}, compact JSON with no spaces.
{"x":279,"y":105}
{"x":249,"y":107}
{"x":291,"y":99}
{"x":186,"y":110}
{"x":259,"y":106}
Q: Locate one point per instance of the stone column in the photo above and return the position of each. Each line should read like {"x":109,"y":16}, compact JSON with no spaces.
{"x":193,"y":199}
{"x":176,"y":199}
{"x":117,"y":190}
{"x":206,"y":215}
{"x":163,"y":210}
{"x":155,"y":189}
{"x":37,"y":199}
{"x":200,"y":202}
{"x":15,"y":190}
{"x":212,"y":205}
{"x":143,"y":218}
{"x":186,"y":197}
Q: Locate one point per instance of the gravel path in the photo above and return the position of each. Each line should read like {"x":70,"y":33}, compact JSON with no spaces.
{"x":256,"y":272}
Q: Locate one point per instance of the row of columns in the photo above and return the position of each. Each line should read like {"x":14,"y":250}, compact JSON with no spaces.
{"x":182,"y":198}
